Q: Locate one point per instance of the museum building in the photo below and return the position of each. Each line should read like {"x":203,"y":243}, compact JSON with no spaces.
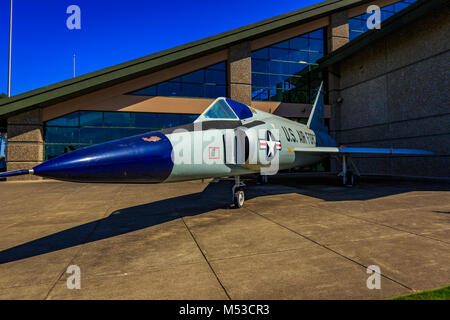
{"x":385,"y":87}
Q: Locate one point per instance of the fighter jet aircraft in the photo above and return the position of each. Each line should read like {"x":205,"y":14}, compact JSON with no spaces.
{"x":229,"y":139}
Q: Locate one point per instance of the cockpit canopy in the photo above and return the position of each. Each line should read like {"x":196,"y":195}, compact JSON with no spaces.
{"x":225,"y":109}
{"x":220,"y":110}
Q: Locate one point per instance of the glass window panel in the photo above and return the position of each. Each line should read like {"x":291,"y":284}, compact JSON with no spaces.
{"x":279,"y":54}
{"x":261,"y":54}
{"x":260,"y":80}
{"x":215,"y":91}
{"x":143,"y":120}
{"x":160,"y":121}
{"x":169,"y":89}
{"x":260,"y":66}
{"x":318,"y":34}
{"x":183,"y":119}
{"x":279,"y":67}
{"x":194,"y":77}
{"x":314,"y":56}
{"x":91,"y":135}
{"x":186,"y":118}
{"x":217,"y":77}
{"x":295,"y":68}
{"x":400,"y":6}
{"x":192,"y":90}
{"x":355,"y":25}
{"x":298,"y":56}
{"x":173,"y":120}
{"x":116,"y":119}
{"x":316,"y":45}
{"x":183,"y":85}
{"x":59,"y":139}
{"x":167,"y":120}
{"x":155,"y":122}
{"x":260,"y":94}
{"x":365,"y":16}
{"x":176,"y":80}
{"x":220,"y":66}
{"x":135,"y":132}
{"x":150,"y":91}
{"x":191,"y":118}
{"x":299,"y":43}
{"x":110,"y":134}
{"x":386,"y":14}
{"x":278,"y":81}
{"x":355,"y":34}
{"x":390,"y":8}
{"x":60,"y":135}
{"x":284,"y":44}
{"x":91,"y":119}
{"x":54,"y":150}
{"x":70,"y":120}
{"x":129,"y":132}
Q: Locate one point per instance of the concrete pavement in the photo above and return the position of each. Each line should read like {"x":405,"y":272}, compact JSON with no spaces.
{"x":295,"y":238}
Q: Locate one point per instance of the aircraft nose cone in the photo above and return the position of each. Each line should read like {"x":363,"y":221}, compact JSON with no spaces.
{"x":145,"y":158}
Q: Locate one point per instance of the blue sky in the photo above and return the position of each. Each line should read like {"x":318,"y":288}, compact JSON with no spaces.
{"x":113,"y":32}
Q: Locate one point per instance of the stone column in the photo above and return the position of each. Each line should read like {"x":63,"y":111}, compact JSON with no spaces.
{"x":338,"y":36}
{"x":240,"y":73}
{"x":25,"y":148}
{"x":338,"y":30}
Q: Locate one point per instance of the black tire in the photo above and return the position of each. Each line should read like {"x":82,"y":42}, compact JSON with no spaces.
{"x":239,"y":198}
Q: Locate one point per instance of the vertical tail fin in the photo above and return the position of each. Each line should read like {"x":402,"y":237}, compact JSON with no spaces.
{"x":316,"y":119}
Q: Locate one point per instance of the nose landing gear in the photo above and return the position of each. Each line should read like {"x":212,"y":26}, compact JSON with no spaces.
{"x":238,"y":195}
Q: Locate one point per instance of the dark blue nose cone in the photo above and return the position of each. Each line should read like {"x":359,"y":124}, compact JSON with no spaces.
{"x":140,"y":159}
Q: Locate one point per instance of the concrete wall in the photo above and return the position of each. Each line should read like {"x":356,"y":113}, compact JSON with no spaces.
{"x":240,"y":73}
{"x":25,"y":143}
{"x":396,"y":94}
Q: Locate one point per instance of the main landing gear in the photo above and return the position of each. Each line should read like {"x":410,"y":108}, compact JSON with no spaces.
{"x":348,"y":170}
{"x":238,"y":195}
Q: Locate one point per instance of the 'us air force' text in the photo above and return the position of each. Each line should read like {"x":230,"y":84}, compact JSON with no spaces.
{"x":302,"y":137}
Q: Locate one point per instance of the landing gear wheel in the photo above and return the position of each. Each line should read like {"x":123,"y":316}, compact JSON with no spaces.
{"x":350,"y":179}
{"x":239,"y":198}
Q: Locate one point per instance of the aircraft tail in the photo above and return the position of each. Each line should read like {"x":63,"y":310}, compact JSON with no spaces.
{"x":15,"y":173}
{"x":316,"y":119}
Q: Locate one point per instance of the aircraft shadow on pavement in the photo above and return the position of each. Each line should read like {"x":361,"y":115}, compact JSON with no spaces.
{"x":214,"y":196}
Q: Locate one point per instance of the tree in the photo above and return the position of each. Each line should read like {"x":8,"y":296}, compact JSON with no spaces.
{"x":2,"y":95}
